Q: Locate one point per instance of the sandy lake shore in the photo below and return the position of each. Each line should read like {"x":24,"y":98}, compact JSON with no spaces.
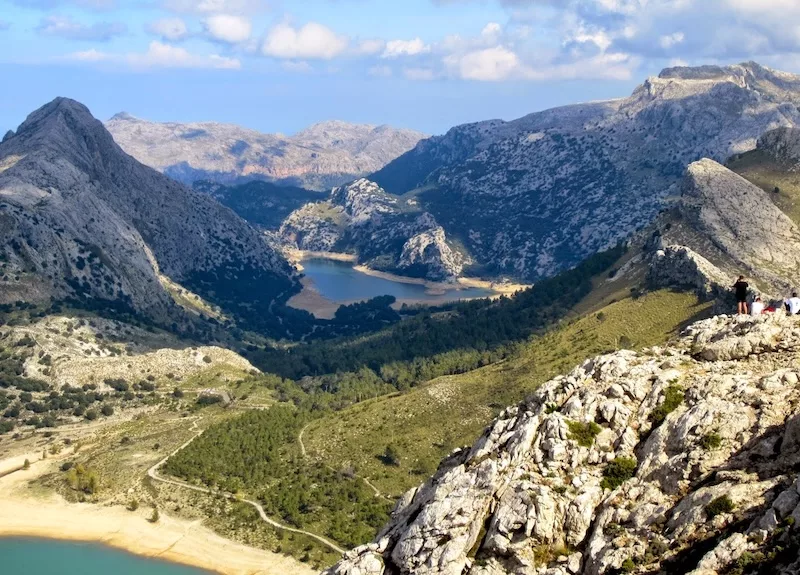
{"x":32,"y":513}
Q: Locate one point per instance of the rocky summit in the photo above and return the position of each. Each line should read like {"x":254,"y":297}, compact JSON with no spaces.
{"x":678,"y":459}
{"x":536,"y":195}
{"x":80,"y":219}
{"x":386,"y":232}
{"x":320,"y":157}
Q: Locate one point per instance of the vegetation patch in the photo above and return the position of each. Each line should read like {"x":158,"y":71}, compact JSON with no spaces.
{"x":583,"y":432}
{"x":618,"y":472}
{"x":711,"y":441}
{"x":718,"y":506}
{"x":673,"y":398}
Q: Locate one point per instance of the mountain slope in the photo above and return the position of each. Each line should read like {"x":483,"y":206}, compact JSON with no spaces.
{"x":386,"y":232}
{"x":530,"y":197}
{"x":320,"y":157}
{"x":82,"y":219}
{"x":678,"y":459}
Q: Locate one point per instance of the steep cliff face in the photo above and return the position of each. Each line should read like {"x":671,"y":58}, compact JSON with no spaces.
{"x":324,"y":155}
{"x":530,"y":197}
{"x":386,"y":232}
{"x":681,"y":459}
{"x":83,"y":219}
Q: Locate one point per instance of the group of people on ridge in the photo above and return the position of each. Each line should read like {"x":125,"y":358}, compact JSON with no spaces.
{"x":741,"y":289}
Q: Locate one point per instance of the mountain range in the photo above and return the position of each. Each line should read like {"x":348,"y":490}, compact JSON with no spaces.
{"x":533,"y":196}
{"x":320,"y":157}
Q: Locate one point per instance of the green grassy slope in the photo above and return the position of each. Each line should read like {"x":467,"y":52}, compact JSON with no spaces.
{"x":426,"y":423}
{"x":782,"y":184}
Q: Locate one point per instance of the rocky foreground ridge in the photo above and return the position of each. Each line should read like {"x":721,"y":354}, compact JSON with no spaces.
{"x":678,"y":459}
{"x":319,"y":157}
{"x":386,"y":232}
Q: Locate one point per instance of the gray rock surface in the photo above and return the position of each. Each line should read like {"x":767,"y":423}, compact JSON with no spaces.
{"x":79,"y":217}
{"x":729,"y":227}
{"x":536,"y":195}
{"x":324,"y":155}
{"x":528,"y":498}
{"x":386,"y":232}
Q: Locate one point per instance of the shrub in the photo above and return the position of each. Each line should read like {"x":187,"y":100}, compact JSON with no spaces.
{"x":711,"y":441}
{"x":107,"y":410}
{"x":673,"y":397}
{"x":91,"y":414}
{"x":118,"y":384}
{"x":177,"y":393}
{"x":584,"y":433}
{"x":718,"y":506}
{"x":154,"y":517}
{"x":133,"y":505}
{"x":207,"y":358}
{"x":628,"y":566}
{"x":618,"y":472}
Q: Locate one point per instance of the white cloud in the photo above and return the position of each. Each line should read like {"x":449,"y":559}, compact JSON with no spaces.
{"x":66,"y":27}
{"x":487,"y":65}
{"x":158,"y":55}
{"x":169,"y":29}
{"x":492,"y":31}
{"x":50,"y":4}
{"x":312,"y":41}
{"x":397,"y":48}
{"x":228,"y":28}
{"x":670,"y":40}
{"x":370,"y":47}
{"x":216,"y":6}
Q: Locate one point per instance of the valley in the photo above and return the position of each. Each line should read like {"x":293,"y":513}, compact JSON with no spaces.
{"x":254,"y":377}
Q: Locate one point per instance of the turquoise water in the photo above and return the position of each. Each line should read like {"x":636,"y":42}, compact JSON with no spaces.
{"x":24,"y":556}
{"x":339,"y":282}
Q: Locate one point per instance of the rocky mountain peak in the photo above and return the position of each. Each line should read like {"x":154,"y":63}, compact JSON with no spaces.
{"x":123,"y":117}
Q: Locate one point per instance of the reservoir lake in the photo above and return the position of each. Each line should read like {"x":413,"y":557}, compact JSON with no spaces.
{"x":338,"y":281}
{"x":30,"y":556}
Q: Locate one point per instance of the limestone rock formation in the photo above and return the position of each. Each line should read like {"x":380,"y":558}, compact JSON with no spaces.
{"x":539,"y":194}
{"x":677,"y":459}
{"x":324,"y":155}
{"x":730,"y":227}
{"x":386,"y":232}
{"x":79,"y":218}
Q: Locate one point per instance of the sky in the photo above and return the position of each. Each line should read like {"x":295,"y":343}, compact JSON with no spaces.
{"x":281,"y":65}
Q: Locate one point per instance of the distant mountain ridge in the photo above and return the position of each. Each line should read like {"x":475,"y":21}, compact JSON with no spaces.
{"x":533,"y":196}
{"x":320,"y":157}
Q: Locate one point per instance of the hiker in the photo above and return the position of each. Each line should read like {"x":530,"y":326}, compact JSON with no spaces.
{"x":757,"y":307}
{"x":793,"y":304}
{"x":740,"y":289}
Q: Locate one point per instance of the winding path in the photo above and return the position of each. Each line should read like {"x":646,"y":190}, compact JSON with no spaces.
{"x":153,"y":474}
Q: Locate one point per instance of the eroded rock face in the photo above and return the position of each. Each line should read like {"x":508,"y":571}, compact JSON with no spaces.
{"x":385,"y":232}
{"x":711,"y":418}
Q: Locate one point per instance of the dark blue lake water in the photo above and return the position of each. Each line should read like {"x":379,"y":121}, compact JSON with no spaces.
{"x":339,"y":282}
{"x":25,"y":556}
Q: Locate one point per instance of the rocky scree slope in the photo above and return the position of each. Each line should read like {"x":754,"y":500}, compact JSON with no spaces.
{"x":325,"y":155}
{"x":384,"y":231}
{"x":679,"y":459}
{"x":533,"y":196}
{"x":80,"y":218}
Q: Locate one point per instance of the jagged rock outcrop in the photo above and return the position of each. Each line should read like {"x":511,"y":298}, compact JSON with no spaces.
{"x":677,"y":459}
{"x":324,"y":155}
{"x":386,"y":232}
{"x":539,"y":194}
{"x":79,"y":218}
{"x":730,"y":227}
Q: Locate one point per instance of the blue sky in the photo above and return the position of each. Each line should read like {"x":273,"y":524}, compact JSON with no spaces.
{"x":280,"y":65}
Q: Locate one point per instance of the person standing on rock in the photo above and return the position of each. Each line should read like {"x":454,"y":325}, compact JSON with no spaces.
{"x":740,"y":289}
